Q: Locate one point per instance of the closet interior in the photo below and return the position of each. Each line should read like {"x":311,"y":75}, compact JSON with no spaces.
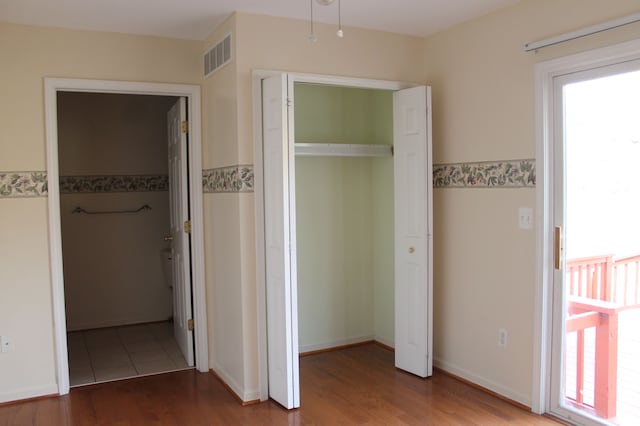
{"x":344,"y":215}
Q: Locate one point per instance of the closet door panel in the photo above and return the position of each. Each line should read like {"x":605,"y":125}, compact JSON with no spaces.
{"x":412,"y":165}
{"x":280,"y":270}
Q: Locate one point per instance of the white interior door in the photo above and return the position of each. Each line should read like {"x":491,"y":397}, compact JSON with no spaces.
{"x":279,"y":208}
{"x":413,"y":230}
{"x":179,"y":214}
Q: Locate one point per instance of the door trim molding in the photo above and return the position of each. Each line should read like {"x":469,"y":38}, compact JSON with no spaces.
{"x":192,"y":94}
{"x":545,"y":73}
{"x":261,"y":301}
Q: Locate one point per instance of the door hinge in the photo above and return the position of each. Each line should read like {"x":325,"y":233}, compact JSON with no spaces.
{"x":187,"y":226}
{"x":185,"y":126}
{"x":289,"y":102}
{"x":190,"y":325}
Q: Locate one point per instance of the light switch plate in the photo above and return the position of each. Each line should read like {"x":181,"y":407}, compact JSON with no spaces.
{"x":525,"y":217}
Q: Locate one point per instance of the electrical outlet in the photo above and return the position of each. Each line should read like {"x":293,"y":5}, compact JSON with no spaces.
{"x":6,"y":344}
{"x":525,"y":217}
{"x":502,"y":338}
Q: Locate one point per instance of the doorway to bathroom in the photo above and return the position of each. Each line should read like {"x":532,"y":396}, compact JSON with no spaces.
{"x":118,"y":258}
{"x":123,"y":201}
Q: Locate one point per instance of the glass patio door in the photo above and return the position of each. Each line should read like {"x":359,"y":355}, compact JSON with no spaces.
{"x":596,"y":319}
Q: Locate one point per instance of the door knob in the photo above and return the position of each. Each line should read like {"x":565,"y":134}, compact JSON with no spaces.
{"x":168,"y":238}
{"x":411,"y":249}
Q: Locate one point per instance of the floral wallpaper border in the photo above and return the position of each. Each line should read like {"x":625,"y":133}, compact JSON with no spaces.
{"x":23,"y":184}
{"x":113,"y":183}
{"x":488,"y":174}
{"x":228,"y":179}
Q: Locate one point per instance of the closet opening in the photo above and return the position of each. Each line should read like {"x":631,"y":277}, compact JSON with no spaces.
{"x":123,"y":188}
{"x":344,"y":216}
{"x":343,"y":170}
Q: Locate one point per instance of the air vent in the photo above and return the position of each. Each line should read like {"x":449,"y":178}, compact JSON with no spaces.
{"x":218,"y":56}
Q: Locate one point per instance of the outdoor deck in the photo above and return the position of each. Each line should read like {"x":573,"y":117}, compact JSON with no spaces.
{"x":602,"y":368}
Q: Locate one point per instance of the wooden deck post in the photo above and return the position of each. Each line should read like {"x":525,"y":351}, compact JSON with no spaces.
{"x":608,"y":286}
{"x":606,"y":374}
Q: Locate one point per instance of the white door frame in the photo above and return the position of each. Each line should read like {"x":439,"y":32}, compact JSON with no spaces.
{"x":192,"y":93}
{"x":545,"y":73}
{"x":258,"y":76}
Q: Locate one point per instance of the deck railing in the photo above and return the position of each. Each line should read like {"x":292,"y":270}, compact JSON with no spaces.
{"x":599,"y":289}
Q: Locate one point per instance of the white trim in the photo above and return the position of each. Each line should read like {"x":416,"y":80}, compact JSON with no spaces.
{"x":31,"y":392}
{"x":258,"y":76}
{"x":227,"y":379}
{"x":192,"y":93}
{"x":482,"y":381}
{"x":362,"y":83}
{"x":335,"y":344}
{"x":545,"y":73}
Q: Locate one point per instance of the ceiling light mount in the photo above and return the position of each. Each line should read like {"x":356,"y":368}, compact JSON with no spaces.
{"x":312,"y":36}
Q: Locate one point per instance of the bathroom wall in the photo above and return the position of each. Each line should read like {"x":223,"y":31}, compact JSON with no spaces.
{"x":113,"y":156}
{"x":344,"y":208}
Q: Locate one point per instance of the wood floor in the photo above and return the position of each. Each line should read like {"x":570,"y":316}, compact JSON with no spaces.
{"x":352,"y":386}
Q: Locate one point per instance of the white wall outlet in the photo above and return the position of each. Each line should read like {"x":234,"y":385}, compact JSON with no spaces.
{"x":525,"y":217}
{"x":502,"y":338}
{"x":6,"y":344}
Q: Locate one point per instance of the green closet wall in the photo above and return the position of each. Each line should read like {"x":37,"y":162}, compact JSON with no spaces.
{"x":344,"y":213}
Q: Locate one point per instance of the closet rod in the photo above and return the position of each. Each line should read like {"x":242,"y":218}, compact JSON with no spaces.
{"x":594,"y":29}
{"x":81,"y":210}
{"x":342,"y":150}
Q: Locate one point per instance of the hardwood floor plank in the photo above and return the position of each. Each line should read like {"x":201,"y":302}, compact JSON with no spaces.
{"x":358,"y":385}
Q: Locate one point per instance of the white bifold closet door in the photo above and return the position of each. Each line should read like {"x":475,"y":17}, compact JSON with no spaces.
{"x":412,"y":169}
{"x":413,"y":243}
{"x":280,"y":260}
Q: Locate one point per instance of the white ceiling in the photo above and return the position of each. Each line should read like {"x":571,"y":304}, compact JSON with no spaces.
{"x":196,"y":19}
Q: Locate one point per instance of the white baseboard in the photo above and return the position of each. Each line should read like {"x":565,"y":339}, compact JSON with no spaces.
{"x":385,"y":342}
{"x":335,"y":343}
{"x":33,"y":392}
{"x":245,"y":396}
{"x":484,"y":382}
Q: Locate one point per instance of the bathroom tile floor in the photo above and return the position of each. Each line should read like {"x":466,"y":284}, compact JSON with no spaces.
{"x":122,"y":352}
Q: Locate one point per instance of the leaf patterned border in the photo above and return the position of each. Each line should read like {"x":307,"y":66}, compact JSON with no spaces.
{"x":113,"y":183}
{"x":488,"y":174}
{"x":228,"y":179}
{"x":23,"y":184}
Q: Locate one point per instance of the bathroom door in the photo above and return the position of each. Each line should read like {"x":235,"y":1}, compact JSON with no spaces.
{"x":179,"y":216}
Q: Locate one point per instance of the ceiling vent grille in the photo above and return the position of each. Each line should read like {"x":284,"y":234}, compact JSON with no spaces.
{"x":218,"y":56}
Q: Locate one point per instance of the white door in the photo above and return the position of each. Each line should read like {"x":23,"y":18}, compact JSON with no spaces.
{"x":179,"y":214}
{"x":279,"y":208}
{"x":413,"y":230}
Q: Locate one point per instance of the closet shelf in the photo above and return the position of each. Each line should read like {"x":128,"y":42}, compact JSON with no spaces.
{"x":342,"y":150}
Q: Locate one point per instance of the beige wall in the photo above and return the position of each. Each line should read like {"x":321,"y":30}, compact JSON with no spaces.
{"x":222,"y":220}
{"x":483,"y":109}
{"x":35,"y":53}
{"x":113,"y":264}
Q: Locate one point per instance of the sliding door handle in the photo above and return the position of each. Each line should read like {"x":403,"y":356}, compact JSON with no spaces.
{"x":557,"y":248}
